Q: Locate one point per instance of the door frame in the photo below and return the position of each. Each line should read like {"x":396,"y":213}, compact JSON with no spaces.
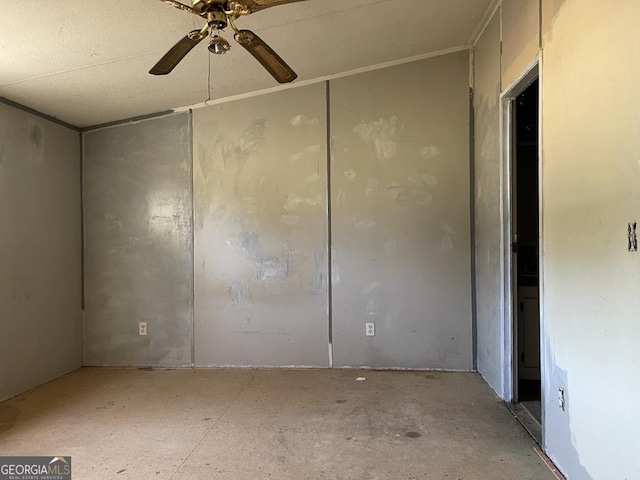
{"x":509,"y":293}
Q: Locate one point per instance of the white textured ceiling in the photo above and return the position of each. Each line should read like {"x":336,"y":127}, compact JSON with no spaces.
{"x":85,"y":62}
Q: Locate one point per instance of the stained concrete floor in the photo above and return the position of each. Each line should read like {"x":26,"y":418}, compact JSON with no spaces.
{"x":271,"y":424}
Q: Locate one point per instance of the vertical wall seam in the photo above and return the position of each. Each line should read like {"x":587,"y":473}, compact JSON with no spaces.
{"x":472,"y":226}
{"x":193,"y":244}
{"x":82,"y":253}
{"x":541,"y":299}
{"x":539,"y":25}
{"x":544,"y":345}
{"x":329,"y":224}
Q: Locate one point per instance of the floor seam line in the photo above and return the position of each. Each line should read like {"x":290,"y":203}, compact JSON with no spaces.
{"x":233,"y":402}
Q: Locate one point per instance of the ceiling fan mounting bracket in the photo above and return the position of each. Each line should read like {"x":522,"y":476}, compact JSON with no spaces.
{"x":203,"y":7}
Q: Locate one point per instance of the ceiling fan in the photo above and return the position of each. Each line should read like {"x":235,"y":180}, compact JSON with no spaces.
{"x":219,"y":14}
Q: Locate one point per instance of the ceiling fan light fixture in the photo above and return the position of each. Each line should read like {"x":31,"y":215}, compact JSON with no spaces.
{"x":219,"y":45}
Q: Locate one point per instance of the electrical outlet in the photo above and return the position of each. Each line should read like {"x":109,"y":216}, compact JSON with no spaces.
{"x":142,"y":328}
{"x":561,"y":401}
{"x":632,"y":236}
{"x":370,"y":329}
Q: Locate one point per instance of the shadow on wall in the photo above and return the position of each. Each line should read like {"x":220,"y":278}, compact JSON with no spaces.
{"x":559,"y":442}
{"x":555,"y":7}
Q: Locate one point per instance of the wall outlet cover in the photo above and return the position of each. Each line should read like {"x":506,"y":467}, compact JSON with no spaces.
{"x":370,"y":329}
{"x":142,"y":328}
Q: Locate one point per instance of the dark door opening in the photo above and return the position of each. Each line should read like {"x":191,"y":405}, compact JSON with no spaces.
{"x":526,"y":235}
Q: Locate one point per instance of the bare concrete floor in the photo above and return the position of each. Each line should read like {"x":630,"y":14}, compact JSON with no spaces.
{"x":276,"y":424}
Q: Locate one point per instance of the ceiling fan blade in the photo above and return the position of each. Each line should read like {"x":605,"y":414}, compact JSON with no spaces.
{"x":177,"y":53}
{"x":266,"y":56}
{"x":252,"y":6}
{"x":180,"y":6}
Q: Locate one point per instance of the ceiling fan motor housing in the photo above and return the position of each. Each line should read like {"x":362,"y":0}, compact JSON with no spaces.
{"x":217,"y":20}
{"x":205,"y":6}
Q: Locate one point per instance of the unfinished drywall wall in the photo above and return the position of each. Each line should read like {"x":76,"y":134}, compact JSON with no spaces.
{"x":488,"y":217}
{"x":591,"y":191}
{"x":40,"y":253}
{"x":138,"y":243}
{"x":261,"y":230}
{"x":400,"y":216}
{"x":520,"y":37}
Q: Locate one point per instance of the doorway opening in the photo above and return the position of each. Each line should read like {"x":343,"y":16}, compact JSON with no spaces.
{"x":526,"y":234}
{"x":524,"y":167}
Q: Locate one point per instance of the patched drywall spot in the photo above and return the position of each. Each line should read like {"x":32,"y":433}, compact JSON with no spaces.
{"x":336,"y":276}
{"x":370,"y":293}
{"x":290,"y":219}
{"x":294,"y":201}
{"x":249,"y":207}
{"x":423,"y":178}
{"x":239,"y":294}
{"x":430,"y":152}
{"x":302,"y":121}
{"x":112,"y":223}
{"x":313,"y":178}
{"x":205,"y":162}
{"x":372,"y":307}
{"x":350,"y":217}
{"x":246,"y":243}
{"x":251,"y":142}
{"x":381,"y":135}
{"x":222,"y":164}
{"x":369,"y":289}
{"x":219,"y":212}
{"x":390,"y":320}
{"x":366,"y":223}
{"x":313,"y":149}
{"x":448,"y":238}
{"x":350,"y":175}
{"x":273,"y":268}
{"x":411,"y":194}
{"x":317,"y":280}
{"x":390,"y":247}
{"x":417,"y":189}
{"x":310,"y":151}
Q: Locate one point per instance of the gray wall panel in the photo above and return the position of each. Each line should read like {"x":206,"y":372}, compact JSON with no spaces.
{"x":261,"y":230}
{"x":400,"y":222}
{"x":138,"y":236}
{"x":488,"y":211}
{"x":40,"y":251}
